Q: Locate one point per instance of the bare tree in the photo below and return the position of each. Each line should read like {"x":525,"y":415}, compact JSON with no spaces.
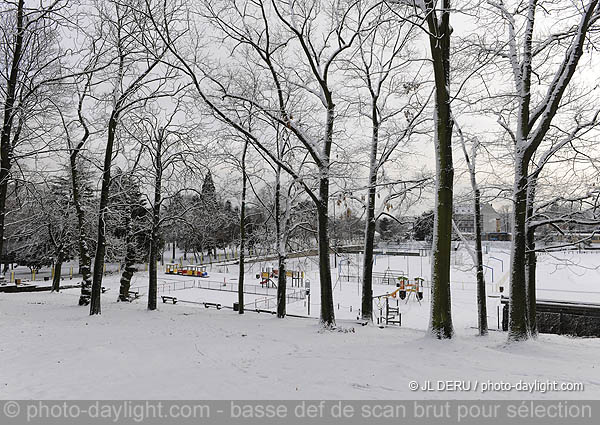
{"x":477,"y":255}
{"x":537,"y":107}
{"x":434,"y":18}
{"x":384,"y":66}
{"x":75,"y":148}
{"x":251,"y":24}
{"x":137,"y":55}
{"x":166,"y":148}
{"x":30,"y":58}
{"x":543,"y":212}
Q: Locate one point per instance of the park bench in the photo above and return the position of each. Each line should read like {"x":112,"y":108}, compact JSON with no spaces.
{"x":215,"y":305}
{"x":133,"y":295}
{"x":105,"y":289}
{"x":166,"y":298}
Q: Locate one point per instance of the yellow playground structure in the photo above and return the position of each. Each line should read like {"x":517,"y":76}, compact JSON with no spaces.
{"x":189,"y":270}
{"x":171,"y":268}
{"x":268,"y":276}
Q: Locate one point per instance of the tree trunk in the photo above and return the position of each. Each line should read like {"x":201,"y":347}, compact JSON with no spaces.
{"x":9,"y":114}
{"x":82,"y":244}
{"x":441,"y":317}
{"x":518,"y":305}
{"x":530,"y":272}
{"x":153,"y":273}
{"x":327,"y":311}
{"x":4,"y":174}
{"x":440,"y":324}
{"x":129,"y":266}
{"x":242,"y":232}
{"x":281,"y":251}
{"x":478,"y":257}
{"x":95,"y":304}
{"x":370,"y":222}
{"x":152,"y":269}
{"x":531,"y":260}
{"x":125,"y":282}
{"x":368,"y":258}
{"x":57,"y":273}
{"x":482,"y":323}
{"x":281,"y":286}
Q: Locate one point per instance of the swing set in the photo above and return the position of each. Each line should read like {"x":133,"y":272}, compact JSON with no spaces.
{"x":406,"y":288}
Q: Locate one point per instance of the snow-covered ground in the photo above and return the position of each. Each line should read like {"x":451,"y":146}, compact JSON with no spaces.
{"x":51,"y":348}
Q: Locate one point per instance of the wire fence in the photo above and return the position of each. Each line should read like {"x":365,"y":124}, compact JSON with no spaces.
{"x":269,"y":303}
{"x":176,"y":285}
{"x":233,"y":287}
{"x":168,"y":286}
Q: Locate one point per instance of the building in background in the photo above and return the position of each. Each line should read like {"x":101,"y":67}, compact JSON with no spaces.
{"x":490,"y":218}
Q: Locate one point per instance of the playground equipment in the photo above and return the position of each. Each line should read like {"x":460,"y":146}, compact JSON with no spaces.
{"x":392,"y":314}
{"x":171,"y":268}
{"x":388,"y":277}
{"x":406,"y":288}
{"x":296,"y":276}
{"x":352,"y":262}
{"x":268,"y":276}
{"x":193,"y":270}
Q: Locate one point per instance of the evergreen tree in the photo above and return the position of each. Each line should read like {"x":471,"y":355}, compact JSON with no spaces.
{"x":423,"y":228}
{"x":209,"y":193}
{"x":128,"y":239}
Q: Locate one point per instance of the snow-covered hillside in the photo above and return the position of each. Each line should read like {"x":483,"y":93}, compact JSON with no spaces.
{"x":51,"y":348}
